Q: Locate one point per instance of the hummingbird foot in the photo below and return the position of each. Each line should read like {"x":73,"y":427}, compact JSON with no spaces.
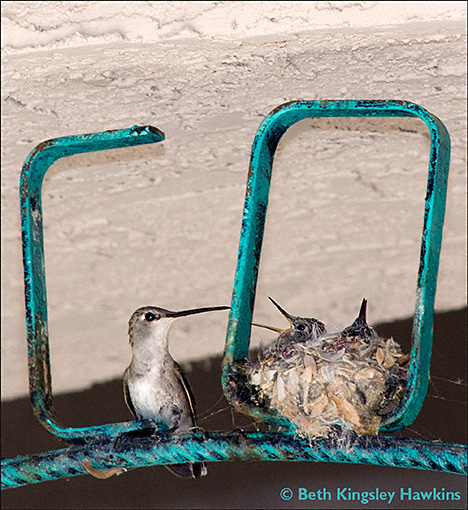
{"x":102,"y":474}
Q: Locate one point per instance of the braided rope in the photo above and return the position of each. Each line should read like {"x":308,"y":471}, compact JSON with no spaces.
{"x":132,"y":452}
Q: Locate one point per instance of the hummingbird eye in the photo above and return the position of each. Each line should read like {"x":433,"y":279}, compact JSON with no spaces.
{"x":301,"y":327}
{"x":150,"y":316}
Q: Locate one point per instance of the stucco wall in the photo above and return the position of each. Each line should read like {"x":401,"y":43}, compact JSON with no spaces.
{"x":160,"y":224}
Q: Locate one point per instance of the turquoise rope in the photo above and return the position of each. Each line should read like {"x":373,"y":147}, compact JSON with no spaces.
{"x":217,"y":447}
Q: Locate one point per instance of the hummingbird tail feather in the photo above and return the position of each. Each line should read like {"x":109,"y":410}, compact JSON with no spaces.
{"x":188,"y":470}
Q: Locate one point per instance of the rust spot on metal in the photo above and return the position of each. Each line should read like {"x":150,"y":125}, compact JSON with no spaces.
{"x":250,"y":175}
{"x":282,"y":107}
{"x":251,"y":172}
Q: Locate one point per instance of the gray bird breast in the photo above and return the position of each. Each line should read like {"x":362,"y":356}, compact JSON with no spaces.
{"x":159,"y":395}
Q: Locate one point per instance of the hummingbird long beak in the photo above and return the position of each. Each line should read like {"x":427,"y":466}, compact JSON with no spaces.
{"x":283,"y":311}
{"x":272,"y":328}
{"x":193,"y":311}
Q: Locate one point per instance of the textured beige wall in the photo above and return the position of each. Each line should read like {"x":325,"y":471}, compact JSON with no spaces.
{"x":160,"y":224}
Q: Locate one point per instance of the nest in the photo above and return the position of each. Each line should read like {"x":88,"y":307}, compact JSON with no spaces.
{"x":345,"y":380}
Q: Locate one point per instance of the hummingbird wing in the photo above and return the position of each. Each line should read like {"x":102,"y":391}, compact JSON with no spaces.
{"x":127,"y":397}
{"x":184,"y":382}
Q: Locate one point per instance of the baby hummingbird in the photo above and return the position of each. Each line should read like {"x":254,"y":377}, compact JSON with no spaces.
{"x":301,"y":329}
{"x":155,"y":387}
{"x":359,"y":329}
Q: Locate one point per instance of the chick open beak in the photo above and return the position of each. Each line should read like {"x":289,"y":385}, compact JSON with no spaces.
{"x":272,"y":328}
{"x":284,"y":312}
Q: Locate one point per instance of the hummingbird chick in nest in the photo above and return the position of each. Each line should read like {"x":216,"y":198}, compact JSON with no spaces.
{"x":155,"y":386}
{"x":347,"y":380}
{"x":301,"y":329}
{"x":359,"y":328}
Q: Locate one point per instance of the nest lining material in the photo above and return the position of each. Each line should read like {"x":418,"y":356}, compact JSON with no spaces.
{"x":317,"y":384}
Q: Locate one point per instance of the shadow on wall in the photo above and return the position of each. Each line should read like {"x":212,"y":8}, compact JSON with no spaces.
{"x":248,"y":484}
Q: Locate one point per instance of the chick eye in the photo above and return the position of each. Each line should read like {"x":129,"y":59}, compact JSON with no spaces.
{"x":301,"y":327}
{"x":149,"y":316}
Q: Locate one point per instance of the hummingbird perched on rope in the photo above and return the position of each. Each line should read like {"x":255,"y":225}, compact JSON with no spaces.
{"x":155,"y":386}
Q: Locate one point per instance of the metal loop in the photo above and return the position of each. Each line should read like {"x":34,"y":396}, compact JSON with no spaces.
{"x":255,"y":207}
{"x":32,"y":175}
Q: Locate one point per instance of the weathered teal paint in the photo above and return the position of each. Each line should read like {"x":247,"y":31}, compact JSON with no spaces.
{"x":255,"y":206}
{"x":32,"y":175}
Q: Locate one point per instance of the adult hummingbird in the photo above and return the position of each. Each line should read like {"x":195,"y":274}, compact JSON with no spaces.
{"x":155,"y":386}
